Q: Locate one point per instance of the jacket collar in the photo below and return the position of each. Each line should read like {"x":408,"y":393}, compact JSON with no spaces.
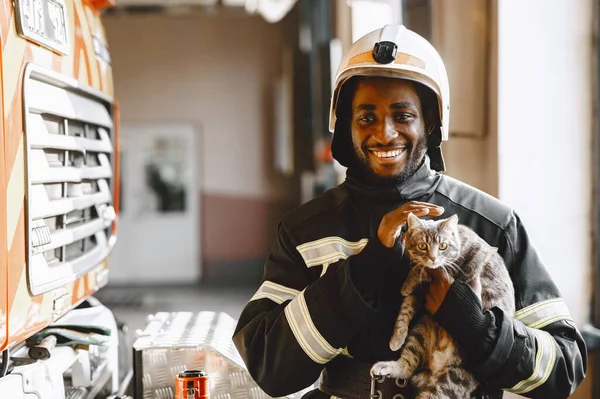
{"x":421,"y":183}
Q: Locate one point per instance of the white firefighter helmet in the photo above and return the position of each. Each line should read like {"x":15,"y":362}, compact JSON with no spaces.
{"x":396,"y":52}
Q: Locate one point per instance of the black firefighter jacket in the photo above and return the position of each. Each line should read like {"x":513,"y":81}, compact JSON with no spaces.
{"x":307,"y":311}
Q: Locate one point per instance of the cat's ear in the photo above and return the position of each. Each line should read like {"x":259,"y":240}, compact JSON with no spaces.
{"x":451,"y":222}
{"x":414,"y":221}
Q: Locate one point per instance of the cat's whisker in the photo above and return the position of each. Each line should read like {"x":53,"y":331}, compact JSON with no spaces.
{"x":454,"y":266}
{"x":447,"y":274}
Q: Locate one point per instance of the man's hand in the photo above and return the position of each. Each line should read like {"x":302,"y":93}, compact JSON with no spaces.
{"x":391,"y":224}
{"x":438,"y":289}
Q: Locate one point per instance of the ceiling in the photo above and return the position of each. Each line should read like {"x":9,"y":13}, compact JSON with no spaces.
{"x":271,"y":10}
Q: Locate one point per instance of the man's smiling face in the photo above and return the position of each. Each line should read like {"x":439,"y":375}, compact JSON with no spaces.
{"x":388,"y":128}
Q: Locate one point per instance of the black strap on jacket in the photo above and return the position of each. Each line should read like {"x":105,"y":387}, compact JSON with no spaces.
{"x":351,"y":379}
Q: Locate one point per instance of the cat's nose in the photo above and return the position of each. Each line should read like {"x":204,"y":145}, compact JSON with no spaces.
{"x":432,"y":258}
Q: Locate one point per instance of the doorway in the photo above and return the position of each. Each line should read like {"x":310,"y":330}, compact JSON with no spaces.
{"x":158,"y":236}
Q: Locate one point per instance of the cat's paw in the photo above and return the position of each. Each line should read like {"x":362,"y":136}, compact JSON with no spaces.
{"x":386,"y":369}
{"x":398,"y":338}
{"x":407,"y":290}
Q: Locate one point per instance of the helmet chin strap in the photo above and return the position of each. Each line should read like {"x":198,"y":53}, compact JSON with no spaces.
{"x":341,"y":145}
{"x":436,"y":159}
{"x":434,"y":150}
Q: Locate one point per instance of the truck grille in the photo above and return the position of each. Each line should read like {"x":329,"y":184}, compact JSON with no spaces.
{"x":69,"y":142}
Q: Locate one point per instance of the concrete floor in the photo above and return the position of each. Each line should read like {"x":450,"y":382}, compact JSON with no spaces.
{"x":132,"y":304}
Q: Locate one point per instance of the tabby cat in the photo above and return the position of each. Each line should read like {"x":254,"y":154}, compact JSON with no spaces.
{"x":430,"y":359}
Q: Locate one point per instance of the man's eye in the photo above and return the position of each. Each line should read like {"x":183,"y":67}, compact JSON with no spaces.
{"x":366,"y":118}
{"x":403,"y":117}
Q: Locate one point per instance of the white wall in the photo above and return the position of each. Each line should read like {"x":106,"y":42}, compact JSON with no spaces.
{"x":545,"y":133}
{"x":473,"y":157}
{"x":213,"y":71}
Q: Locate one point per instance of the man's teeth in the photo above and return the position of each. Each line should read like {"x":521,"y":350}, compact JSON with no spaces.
{"x":388,"y":154}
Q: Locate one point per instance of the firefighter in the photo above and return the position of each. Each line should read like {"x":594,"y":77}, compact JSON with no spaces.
{"x":331,"y":289}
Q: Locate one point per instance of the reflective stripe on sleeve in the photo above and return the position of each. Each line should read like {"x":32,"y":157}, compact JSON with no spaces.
{"x":309,"y":338}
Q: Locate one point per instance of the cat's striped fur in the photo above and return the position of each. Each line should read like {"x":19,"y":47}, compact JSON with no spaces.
{"x":430,"y":358}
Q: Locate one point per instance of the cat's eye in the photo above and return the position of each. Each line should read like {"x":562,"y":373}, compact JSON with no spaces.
{"x":443,"y":246}
{"x":422,"y":246}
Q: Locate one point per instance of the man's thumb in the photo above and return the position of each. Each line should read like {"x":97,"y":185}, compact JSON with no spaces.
{"x":437,"y":274}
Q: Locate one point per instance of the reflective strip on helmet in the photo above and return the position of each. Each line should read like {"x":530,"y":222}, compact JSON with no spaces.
{"x":329,"y":250}
{"x":543,"y":313}
{"x":544,"y":363}
{"x":275,"y":292}
{"x":401,"y":58}
{"x":308,"y":337}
